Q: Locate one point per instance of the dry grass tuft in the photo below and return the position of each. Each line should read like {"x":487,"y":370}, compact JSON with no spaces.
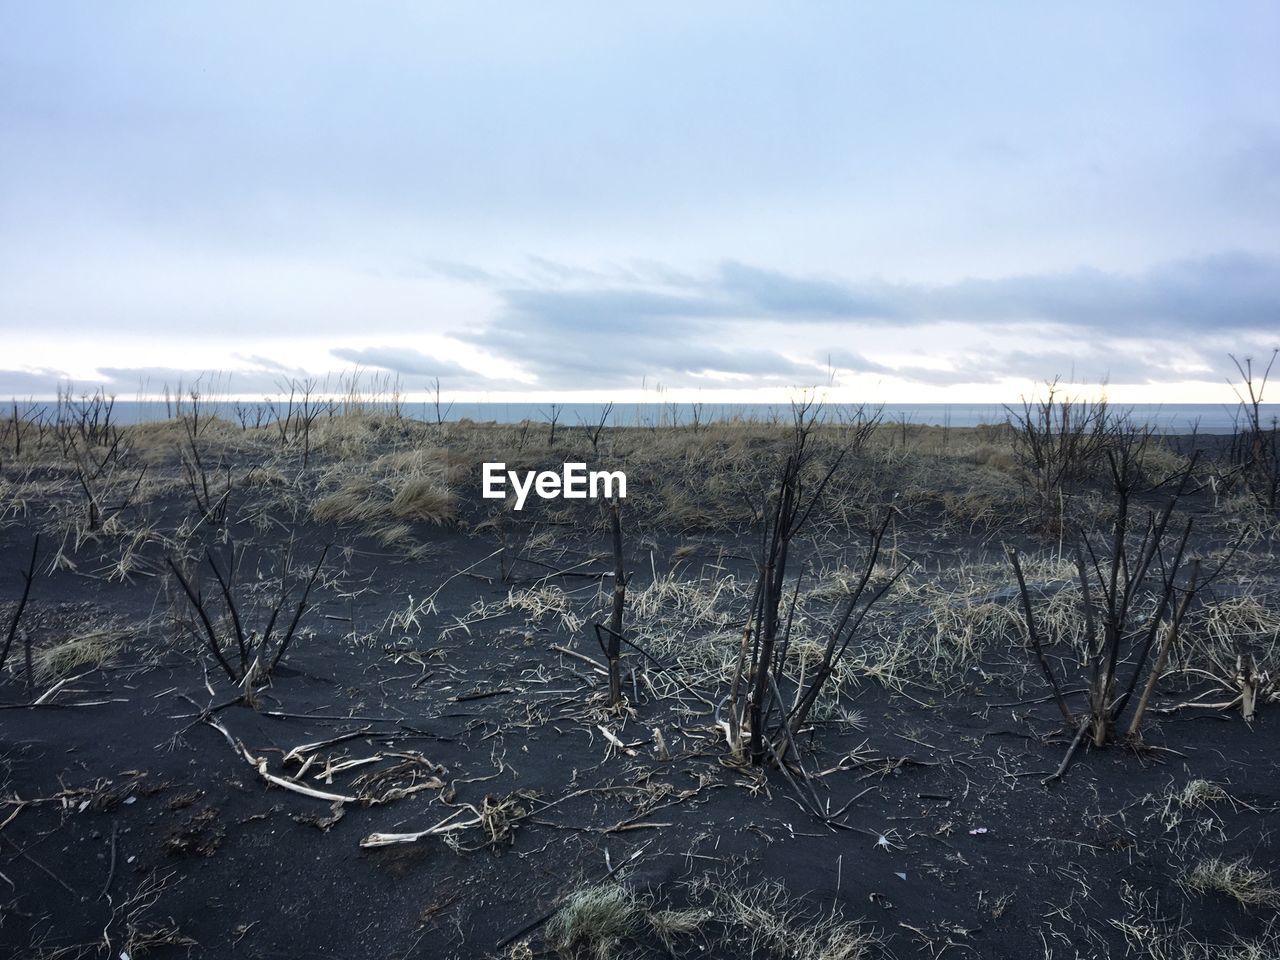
{"x":423,"y":498}
{"x":355,"y":501}
{"x":669,"y":926}
{"x":411,"y":486}
{"x":764,"y":918}
{"x":1245,"y":884}
{"x":748,"y":920}
{"x":1151,"y":933}
{"x":93,"y":649}
{"x":594,"y":921}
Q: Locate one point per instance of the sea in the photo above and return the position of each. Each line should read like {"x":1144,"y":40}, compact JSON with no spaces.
{"x":1170,"y":418}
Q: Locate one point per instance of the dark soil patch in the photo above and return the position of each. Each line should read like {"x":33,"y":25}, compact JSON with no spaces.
{"x":131,"y":826}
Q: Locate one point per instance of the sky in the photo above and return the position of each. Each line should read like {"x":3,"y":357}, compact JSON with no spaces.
{"x":908,"y":202}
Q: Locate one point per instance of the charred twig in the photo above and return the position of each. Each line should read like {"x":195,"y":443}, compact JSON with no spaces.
{"x":1033,"y":637}
{"x":111,"y":868}
{"x":297,"y":614}
{"x":1127,"y":593}
{"x":614,"y":649}
{"x":1081,"y":729}
{"x":211,"y":635}
{"x":28,"y":577}
{"x":256,"y":660}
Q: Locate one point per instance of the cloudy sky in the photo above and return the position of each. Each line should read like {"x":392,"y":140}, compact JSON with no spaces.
{"x":915,"y":201}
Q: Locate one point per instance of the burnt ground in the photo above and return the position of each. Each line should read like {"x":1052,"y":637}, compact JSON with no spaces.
{"x":131,"y":827}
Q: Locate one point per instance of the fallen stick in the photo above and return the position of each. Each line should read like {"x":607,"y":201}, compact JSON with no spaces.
{"x":36,"y":863}
{"x":111,"y":870}
{"x":17,"y":809}
{"x":1193,"y":704}
{"x":1071,"y":752}
{"x":298,"y":753}
{"x":1034,"y":700}
{"x":281,"y":715}
{"x":444,"y":826}
{"x":48,"y":694}
{"x":342,"y":767}
{"x":62,"y":706}
{"x":580,"y":656}
{"x":481,"y":694}
{"x":624,"y":827}
{"x":260,"y":764}
{"x":615,"y":741}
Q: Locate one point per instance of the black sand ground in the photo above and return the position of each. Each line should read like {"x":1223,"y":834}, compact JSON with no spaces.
{"x":125,"y":819}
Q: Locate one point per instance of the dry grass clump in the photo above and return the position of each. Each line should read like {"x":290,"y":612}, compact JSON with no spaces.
{"x":932,"y":629}
{"x":750,"y":920}
{"x":539,"y":603}
{"x":938,"y":625}
{"x":670,"y":926}
{"x":694,"y":625}
{"x":1242,"y":624}
{"x":594,"y":921}
{"x":764,"y":918}
{"x":1001,"y":458}
{"x":1200,"y":793}
{"x":264,"y":477}
{"x":447,"y":465}
{"x":1196,"y":796}
{"x":689,"y":482}
{"x":158,"y":441}
{"x":16,"y":496}
{"x":679,"y":508}
{"x":696,"y":602}
{"x":1151,"y":934}
{"x":1237,"y":879}
{"x":353,"y":434}
{"x":356,"y":500}
{"x":545,"y":601}
{"x":1238,"y":651}
{"x":688,"y":624}
{"x":413,"y":486}
{"x":957,"y":486}
{"x":1194,"y":804}
{"x":422,"y":498}
{"x":973,"y":499}
{"x":1241,"y":513}
{"x":61,"y":658}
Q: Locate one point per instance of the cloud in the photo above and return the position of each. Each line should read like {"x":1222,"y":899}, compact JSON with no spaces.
{"x":613,"y":307}
{"x":179,"y":380}
{"x":126,"y":381}
{"x":1229,"y":291}
{"x":266,"y":363}
{"x":779,"y":295}
{"x":449,"y":270}
{"x":20,"y":383}
{"x":614,"y":356}
{"x":407,"y":362}
{"x":1226,"y":291}
{"x":401,"y":360}
{"x":847,"y":360}
{"x":741,"y":326}
{"x":593,"y":330}
{"x":625,"y":174}
{"x":1087,"y":365}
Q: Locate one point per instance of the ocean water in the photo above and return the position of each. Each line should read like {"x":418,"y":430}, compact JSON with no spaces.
{"x":1176,"y":418}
